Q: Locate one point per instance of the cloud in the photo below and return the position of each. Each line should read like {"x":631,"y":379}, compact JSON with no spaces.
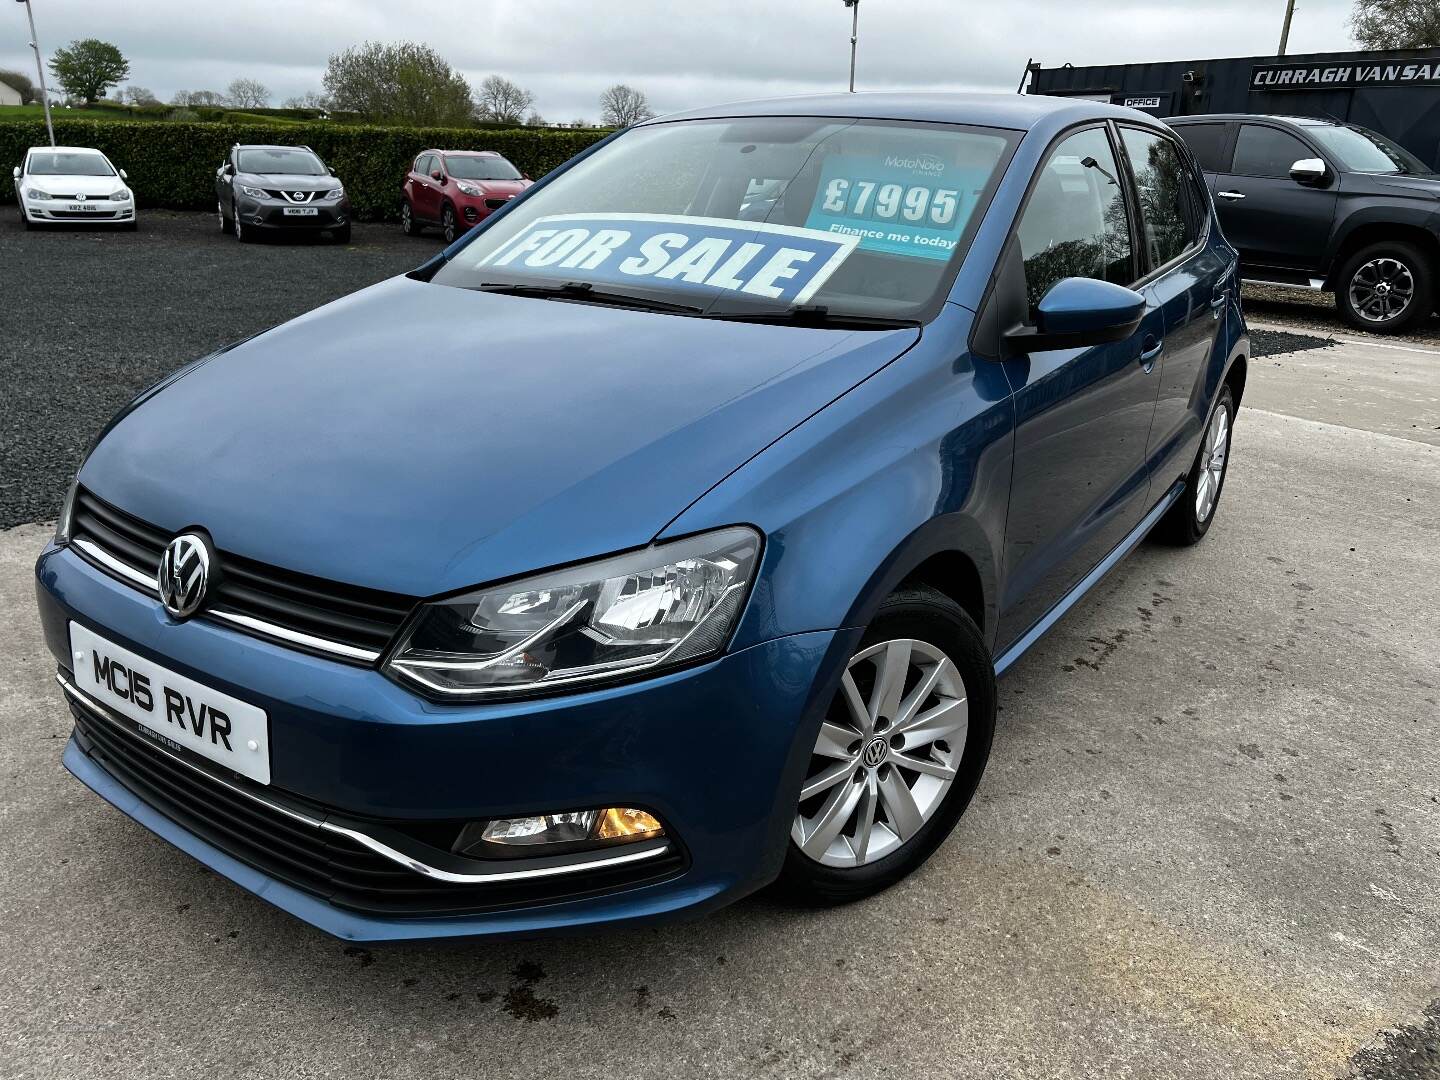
{"x":681,"y":54}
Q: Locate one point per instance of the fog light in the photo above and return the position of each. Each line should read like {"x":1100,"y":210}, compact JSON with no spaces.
{"x":593,"y":828}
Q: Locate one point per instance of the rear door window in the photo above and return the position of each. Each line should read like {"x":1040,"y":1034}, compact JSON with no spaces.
{"x":1168,"y":223}
{"x":1267,"y":151}
{"x":1209,"y":143}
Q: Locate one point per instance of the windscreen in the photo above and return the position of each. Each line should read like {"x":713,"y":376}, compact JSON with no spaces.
{"x":1362,"y":150}
{"x":68,"y":163}
{"x":291,"y":162}
{"x":861,"y":218}
{"x":481,"y":168}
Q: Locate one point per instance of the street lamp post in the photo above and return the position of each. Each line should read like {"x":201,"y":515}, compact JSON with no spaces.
{"x":854,"y":6}
{"x":1285,"y":29}
{"x":40,"y":70}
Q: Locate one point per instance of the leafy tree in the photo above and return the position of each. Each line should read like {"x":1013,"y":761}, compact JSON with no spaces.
{"x":622,"y":105}
{"x":21,"y":84}
{"x":88,"y":68}
{"x":500,"y":101}
{"x":248,"y":94}
{"x":137,"y":95}
{"x":1396,"y":24}
{"x":311,"y":99}
{"x":405,"y":81}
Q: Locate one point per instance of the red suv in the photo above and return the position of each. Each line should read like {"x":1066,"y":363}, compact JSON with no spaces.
{"x":455,"y":189}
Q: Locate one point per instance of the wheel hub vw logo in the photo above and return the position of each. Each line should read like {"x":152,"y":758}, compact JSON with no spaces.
{"x":184,"y":575}
{"x":876,"y":750}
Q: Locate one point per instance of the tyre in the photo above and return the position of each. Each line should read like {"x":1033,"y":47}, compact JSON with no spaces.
{"x":226,"y":226}
{"x":243,"y":233}
{"x":448,"y":225}
{"x":1386,"y":288}
{"x":899,"y":754}
{"x":1190,"y":518}
{"x":408,"y":225}
{"x":342,"y":234}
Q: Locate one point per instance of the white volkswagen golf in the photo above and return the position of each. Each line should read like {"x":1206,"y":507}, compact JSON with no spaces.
{"x":72,"y":183}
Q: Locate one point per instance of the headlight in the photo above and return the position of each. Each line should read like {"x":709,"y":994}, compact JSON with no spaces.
{"x":67,"y":514}
{"x":647,"y":610}
{"x":469,"y":188}
{"x":36,"y":193}
{"x":334,"y":193}
{"x":255,"y":192}
{"x":123,"y":195}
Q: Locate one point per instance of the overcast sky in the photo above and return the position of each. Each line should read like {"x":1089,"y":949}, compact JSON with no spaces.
{"x":682,"y":54}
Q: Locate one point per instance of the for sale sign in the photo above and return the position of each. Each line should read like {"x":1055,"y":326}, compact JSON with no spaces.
{"x":771,"y":262}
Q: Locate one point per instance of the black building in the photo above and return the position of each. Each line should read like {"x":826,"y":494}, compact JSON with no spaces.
{"x":1396,"y":92}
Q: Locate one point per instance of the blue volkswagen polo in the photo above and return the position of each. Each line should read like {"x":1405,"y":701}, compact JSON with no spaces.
{"x":663,"y":538}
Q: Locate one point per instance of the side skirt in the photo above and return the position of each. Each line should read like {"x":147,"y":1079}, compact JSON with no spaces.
{"x":1088,"y":582}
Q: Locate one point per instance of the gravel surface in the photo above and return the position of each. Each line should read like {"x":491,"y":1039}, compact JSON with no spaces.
{"x":93,"y":316}
{"x":1305,"y":309}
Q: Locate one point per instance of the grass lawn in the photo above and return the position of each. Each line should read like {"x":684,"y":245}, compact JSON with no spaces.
{"x":59,"y":112}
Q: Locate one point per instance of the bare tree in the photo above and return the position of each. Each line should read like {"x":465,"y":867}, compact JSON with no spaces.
{"x":138,"y":95}
{"x":197,"y":98}
{"x":622,"y":105}
{"x":248,"y":94}
{"x":311,"y":99}
{"x":500,"y":101}
{"x":1396,"y":24}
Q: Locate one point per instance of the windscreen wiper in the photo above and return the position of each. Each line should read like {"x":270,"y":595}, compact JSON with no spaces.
{"x":586,"y":293}
{"x":813,"y":315}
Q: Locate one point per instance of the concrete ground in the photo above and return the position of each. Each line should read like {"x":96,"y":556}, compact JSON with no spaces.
{"x":1208,"y":845}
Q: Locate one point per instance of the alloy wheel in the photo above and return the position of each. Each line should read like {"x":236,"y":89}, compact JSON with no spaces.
{"x":1382,"y":289}
{"x":1212,"y":464}
{"x":220,"y":211}
{"x":407,"y":222}
{"x":448,"y":225}
{"x":886,"y":755}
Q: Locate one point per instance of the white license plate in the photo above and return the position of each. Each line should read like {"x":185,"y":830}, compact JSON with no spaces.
{"x":179,"y":710}
{"x":300,"y":211}
{"x":89,"y":207}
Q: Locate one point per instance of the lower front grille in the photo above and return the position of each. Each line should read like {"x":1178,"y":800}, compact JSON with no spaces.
{"x":325,"y":864}
{"x":96,"y":215}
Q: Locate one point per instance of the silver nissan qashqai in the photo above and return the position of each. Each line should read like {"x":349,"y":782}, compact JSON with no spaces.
{"x":263,"y":188}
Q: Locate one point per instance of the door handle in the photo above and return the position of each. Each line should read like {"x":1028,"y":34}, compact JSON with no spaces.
{"x":1232,"y":195}
{"x":1149,"y":355}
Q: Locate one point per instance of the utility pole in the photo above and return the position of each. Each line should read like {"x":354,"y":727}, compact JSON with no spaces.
{"x":854,"y":6}
{"x":1285,"y":30}
{"x":40,"y":70}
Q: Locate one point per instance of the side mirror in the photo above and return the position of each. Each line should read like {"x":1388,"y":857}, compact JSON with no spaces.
{"x":1077,"y":313}
{"x":1309,"y":171}
{"x":228,"y":170}
{"x":330,"y":170}
{"x":525,"y":176}
{"x":436,"y":174}
{"x":15,"y":172}
{"x":123,"y":176}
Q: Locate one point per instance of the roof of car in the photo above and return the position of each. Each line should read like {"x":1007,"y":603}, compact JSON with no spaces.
{"x":466,"y":153}
{"x":67,"y":149}
{"x":1299,"y":121}
{"x":271,"y":146}
{"x":1019,"y":111}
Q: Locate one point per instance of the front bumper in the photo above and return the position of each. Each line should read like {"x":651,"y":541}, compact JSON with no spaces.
{"x":711,"y":750}
{"x":68,"y":212}
{"x":270,"y":214}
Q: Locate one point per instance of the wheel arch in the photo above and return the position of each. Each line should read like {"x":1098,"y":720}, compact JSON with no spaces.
{"x":1375,"y":232}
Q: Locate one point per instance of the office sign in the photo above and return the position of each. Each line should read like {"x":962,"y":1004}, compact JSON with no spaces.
{"x":1344,"y":76}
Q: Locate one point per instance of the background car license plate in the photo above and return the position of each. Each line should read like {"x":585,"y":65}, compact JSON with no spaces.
{"x":300,"y":211}
{"x":202,"y":720}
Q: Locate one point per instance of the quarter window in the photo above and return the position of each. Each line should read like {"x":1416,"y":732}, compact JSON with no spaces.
{"x":1267,"y":151}
{"x":1075,"y":224}
{"x":1168,"y":223}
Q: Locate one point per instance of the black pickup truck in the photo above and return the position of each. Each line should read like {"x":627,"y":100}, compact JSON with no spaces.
{"x":1320,"y":204}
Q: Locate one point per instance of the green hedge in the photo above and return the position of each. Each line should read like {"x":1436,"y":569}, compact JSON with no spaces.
{"x":173,"y":165}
